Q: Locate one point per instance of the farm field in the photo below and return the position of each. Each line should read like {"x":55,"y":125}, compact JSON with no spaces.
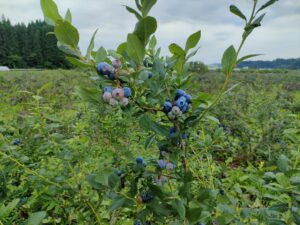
{"x":56,"y":150}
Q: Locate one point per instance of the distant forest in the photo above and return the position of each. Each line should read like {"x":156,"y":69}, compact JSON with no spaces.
{"x":275,"y":64}
{"x":29,"y":46}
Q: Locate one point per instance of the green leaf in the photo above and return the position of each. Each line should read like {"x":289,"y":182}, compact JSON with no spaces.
{"x":36,"y":218}
{"x":113,"y":180}
{"x":235,"y":10}
{"x":101,"y":55}
{"x":6,"y":210}
{"x":145,"y":28}
{"x":68,"y":16}
{"x":147,"y":6}
{"x":193,"y":40}
{"x":50,"y":12}
{"x":257,"y":22}
{"x":149,"y":125}
{"x":176,"y":50}
{"x":283,"y":163}
{"x":271,"y":2}
{"x":91,"y":46}
{"x":138,"y":5}
{"x":152,"y":43}
{"x":135,"y":48}
{"x":122,"y":48}
{"x":246,"y":57}
{"x":66,"y":33}
{"x":229,"y":60}
{"x":149,"y":141}
{"x":67,"y":49}
{"x":89,"y":95}
{"x":283,"y":180}
{"x":80,"y":63}
{"x":133,"y":11}
{"x":178,"y":206}
{"x":296,"y":217}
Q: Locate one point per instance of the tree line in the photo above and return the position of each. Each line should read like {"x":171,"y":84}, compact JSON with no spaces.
{"x":275,"y":64}
{"x":29,"y":46}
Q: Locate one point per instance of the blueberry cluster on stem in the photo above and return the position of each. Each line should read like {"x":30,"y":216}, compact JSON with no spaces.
{"x":180,"y":105}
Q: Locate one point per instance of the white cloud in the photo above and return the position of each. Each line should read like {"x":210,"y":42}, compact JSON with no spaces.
{"x":279,"y":36}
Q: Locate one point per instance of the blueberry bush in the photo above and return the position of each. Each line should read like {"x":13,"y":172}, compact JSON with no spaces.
{"x":104,"y":170}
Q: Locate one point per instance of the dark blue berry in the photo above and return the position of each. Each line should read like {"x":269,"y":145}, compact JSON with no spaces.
{"x":108,"y":89}
{"x":161,"y":164}
{"x":184,"y":136}
{"x":147,"y":197}
{"x":104,"y":68}
{"x":137,"y":222}
{"x":222,"y":192}
{"x":150,"y":75}
{"x":181,"y":102}
{"x":167,"y":106}
{"x":127,"y":92}
{"x":140,"y":161}
{"x":16,"y":142}
{"x":180,"y":93}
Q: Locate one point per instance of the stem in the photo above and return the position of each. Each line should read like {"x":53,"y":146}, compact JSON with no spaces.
{"x":248,"y":23}
{"x":145,"y":108}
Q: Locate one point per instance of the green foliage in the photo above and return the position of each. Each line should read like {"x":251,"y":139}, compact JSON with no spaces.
{"x":67,"y":167}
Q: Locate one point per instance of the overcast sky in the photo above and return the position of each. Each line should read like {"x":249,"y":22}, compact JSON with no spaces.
{"x":279,"y":37}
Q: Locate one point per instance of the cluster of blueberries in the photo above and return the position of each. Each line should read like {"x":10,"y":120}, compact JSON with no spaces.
{"x":116,"y":96}
{"x":104,"y":69}
{"x":162,"y":164}
{"x":180,"y":105}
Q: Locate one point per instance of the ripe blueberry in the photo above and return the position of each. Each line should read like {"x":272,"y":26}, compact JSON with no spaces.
{"x":180,"y":93}
{"x":181,"y":102}
{"x":137,"y":222}
{"x":147,"y":197}
{"x":184,"y":136}
{"x":188,"y":98}
{"x":104,"y":69}
{"x":167,"y":106}
{"x":108,"y":89}
{"x":150,"y":75}
{"x":185,"y":108}
{"x":127,"y":92}
{"x":161,"y":164}
{"x":111,"y":76}
{"x":222,"y":192}
{"x":172,"y":130}
{"x":140,"y":161}
{"x":16,"y":142}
